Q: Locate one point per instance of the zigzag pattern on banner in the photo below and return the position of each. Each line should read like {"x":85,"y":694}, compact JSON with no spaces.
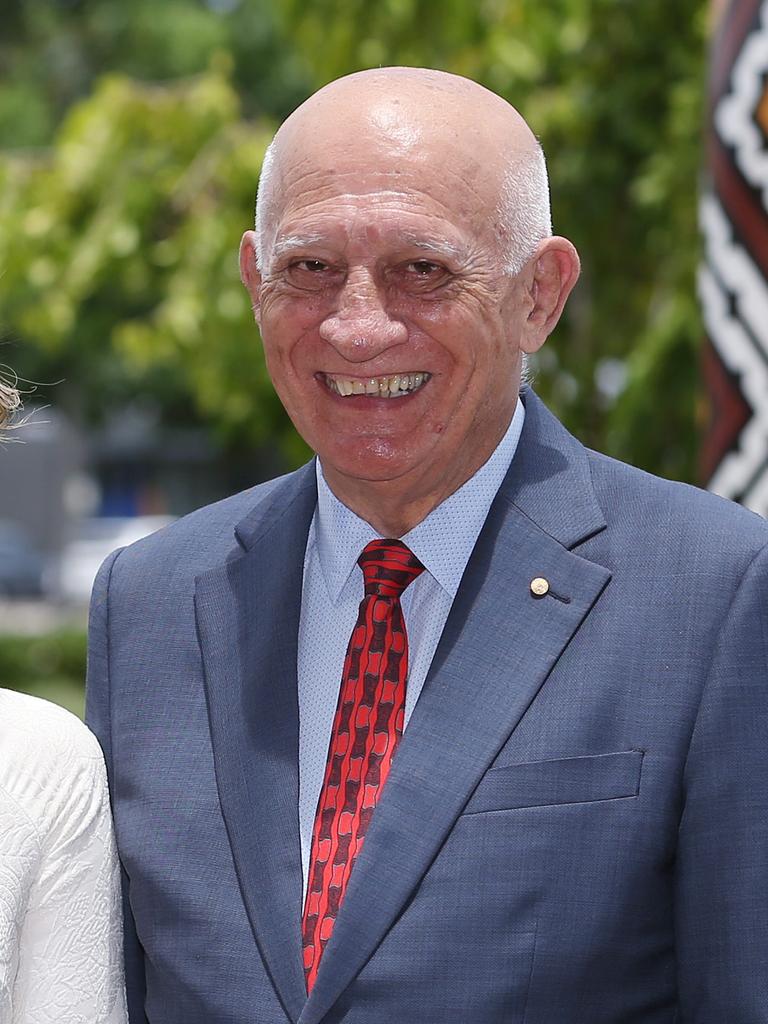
{"x":737,"y":116}
{"x":734,"y":298}
{"x":733,"y":282}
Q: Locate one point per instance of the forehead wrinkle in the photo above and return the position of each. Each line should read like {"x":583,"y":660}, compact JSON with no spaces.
{"x":405,"y":184}
{"x":348,"y":185}
{"x":347,"y":211}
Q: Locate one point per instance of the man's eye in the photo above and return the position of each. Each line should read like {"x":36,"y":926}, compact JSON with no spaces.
{"x":313,"y":266}
{"x":423,"y":268}
{"x":422,"y":276}
{"x":311,"y":275}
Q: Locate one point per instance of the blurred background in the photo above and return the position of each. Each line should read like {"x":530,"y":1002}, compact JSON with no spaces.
{"x":131,"y":138}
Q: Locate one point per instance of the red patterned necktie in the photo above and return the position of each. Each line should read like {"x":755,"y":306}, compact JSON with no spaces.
{"x":366,"y":729}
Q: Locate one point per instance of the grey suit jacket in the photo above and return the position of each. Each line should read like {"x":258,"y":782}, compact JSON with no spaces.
{"x":575,"y":829}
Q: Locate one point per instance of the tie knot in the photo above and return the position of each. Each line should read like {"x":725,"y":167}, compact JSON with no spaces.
{"x":388,"y":567}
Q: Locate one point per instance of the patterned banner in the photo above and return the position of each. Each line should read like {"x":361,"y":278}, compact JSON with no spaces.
{"x":733,"y":280}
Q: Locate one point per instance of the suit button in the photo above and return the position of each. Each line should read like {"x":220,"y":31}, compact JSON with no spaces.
{"x":539,"y":586}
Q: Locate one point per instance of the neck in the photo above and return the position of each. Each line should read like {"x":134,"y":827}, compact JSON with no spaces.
{"x":388,"y":517}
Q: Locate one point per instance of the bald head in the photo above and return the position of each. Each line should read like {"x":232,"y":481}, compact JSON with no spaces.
{"x":413,"y":121}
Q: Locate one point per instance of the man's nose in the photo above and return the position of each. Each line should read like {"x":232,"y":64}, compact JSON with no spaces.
{"x":360,"y":326}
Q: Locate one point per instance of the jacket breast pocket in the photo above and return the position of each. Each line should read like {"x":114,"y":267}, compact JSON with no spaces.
{"x":565,"y":780}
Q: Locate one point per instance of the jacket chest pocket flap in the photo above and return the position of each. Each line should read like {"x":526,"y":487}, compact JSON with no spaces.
{"x":566,"y":780}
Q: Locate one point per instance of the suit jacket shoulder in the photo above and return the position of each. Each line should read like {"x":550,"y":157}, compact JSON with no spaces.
{"x":673,"y":525}
{"x":623,"y":514}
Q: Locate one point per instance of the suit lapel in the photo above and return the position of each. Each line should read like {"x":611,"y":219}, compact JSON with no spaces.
{"x":498,"y":646}
{"x":248,"y":617}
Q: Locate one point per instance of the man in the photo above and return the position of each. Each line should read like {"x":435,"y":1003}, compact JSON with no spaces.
{"x":461,"y":722}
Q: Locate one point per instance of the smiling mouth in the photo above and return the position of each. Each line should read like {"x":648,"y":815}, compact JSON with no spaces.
{"x":392,"y":386}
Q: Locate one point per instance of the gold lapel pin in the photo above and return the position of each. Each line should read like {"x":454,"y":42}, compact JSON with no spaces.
{"x":539,"y":586}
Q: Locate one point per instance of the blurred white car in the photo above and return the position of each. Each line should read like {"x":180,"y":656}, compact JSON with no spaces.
{"x":73,"y":576}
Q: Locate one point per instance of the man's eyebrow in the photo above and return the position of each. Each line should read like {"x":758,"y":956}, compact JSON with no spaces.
{"x":293,"y":242}
{"x":438,"y":246}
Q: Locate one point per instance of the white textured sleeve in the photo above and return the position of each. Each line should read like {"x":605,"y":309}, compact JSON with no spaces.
{"x":70,"y":951}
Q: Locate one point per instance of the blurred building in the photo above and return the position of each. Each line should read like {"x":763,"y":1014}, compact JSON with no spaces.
{"x":43,"y":481}
{"x":64,"y":491}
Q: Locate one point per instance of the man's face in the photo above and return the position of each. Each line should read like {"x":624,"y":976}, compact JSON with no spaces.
{"x":391,"y":332}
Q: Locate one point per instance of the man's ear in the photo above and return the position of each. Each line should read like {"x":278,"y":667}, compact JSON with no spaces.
{"x":249,"y":270}
{"x":556,"y":269}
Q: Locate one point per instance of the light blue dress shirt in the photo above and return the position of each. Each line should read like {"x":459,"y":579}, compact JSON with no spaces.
{"x":333,"y":588}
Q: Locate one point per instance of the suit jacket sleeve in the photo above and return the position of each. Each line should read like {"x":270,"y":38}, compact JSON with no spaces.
{"x":722,"y":861}
{"x":98,"y":717}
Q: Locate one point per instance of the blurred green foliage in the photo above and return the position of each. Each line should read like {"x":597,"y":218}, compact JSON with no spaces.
{"x":52,"y":52}
{"x":50,"y":666}
{"x":122,"y":200}
{"x":119,"y":251}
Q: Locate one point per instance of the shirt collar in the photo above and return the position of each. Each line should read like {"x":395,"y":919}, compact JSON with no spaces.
{"x":442,"y":542}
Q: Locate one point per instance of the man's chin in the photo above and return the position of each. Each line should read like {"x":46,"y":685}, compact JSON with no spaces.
{"x":375,"y":463}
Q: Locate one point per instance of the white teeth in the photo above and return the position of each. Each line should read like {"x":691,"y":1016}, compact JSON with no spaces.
{"x":396,"y":386}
